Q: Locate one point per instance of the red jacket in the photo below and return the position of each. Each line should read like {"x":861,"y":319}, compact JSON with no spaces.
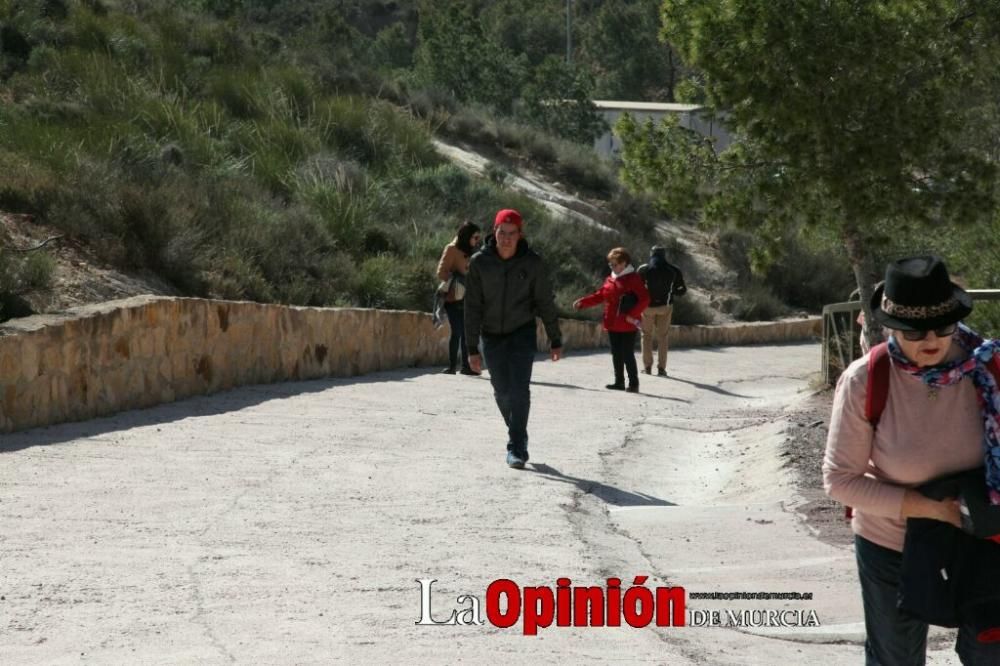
{"x":611,"y":293}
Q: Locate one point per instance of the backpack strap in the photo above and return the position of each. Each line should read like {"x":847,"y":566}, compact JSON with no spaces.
{"x":994,"y":367}
{"x":877,"y":392}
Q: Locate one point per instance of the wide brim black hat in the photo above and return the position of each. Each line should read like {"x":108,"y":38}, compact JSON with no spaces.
{"x":918,"y":295}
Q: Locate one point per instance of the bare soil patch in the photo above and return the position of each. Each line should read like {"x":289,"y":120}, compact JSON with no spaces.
{"x":803,"y":453}
{"x":79,"y":278}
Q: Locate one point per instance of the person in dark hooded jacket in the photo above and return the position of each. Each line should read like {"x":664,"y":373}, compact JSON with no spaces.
{"x":664,"y":281}
{"x":506,"y":288}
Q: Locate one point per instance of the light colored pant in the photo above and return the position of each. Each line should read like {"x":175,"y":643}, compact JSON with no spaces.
{"x":656,"y":322}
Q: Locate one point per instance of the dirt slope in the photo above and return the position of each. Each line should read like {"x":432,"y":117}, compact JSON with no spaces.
{"x":79,"y":278}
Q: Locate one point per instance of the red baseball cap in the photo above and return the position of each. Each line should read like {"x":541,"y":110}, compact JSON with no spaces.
{"x":508,"y":216}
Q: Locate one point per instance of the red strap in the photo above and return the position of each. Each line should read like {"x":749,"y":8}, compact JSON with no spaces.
{"x":994,"y":368}
{"x":877,"y":391}
{"x":878,"y":382}
{"x":991,"y":635}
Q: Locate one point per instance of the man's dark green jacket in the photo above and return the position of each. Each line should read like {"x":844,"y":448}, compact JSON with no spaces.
{"x":503,"y":295}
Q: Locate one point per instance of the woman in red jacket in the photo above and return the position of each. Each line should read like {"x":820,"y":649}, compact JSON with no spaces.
{"x":625,"y":297}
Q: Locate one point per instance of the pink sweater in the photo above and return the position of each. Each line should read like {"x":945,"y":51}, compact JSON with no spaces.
{"x":918,"y":439}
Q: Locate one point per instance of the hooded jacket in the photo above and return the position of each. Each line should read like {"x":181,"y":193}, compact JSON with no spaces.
{"x":503,"y":295}
{"x":611,"y":294}
{"x":663,"y":279}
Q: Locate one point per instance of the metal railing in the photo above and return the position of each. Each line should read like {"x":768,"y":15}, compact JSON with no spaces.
{"x":842,"y":334}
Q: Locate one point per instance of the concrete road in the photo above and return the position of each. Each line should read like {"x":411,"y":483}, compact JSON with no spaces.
{"x":289,"y":524}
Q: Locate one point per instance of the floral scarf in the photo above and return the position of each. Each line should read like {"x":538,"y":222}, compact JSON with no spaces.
{"x":980,"y":353}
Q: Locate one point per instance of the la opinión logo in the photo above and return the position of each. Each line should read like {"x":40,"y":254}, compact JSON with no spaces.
{"x":567,"y":605}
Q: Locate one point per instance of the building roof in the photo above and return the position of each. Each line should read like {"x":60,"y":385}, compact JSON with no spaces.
{"x":612,"y":105}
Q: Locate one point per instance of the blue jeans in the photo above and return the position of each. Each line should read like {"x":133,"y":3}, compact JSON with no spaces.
{"x":456,"y":321}
{"x":509,"y":359}
{"x":894,"y":638}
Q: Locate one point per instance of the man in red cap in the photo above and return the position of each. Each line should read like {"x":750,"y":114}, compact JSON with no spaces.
{"x":506,"y":288}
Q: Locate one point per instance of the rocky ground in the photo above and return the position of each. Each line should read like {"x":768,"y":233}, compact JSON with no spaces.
{"x":803,"y":453}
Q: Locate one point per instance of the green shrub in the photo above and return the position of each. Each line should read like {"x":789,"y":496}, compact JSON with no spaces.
{"x":25,"y":272}
{"x":233,"y":276}
{"x":325,"y":170}
{"x":635,"y":214}
{"x":758,"y":303}
{"x":733,"y":249}
{"x":446,"y":183}
{"x":346,"y":215}
{"x":801,"y":274}
{"x":580,"y":167}
{"x":27,"y":186}
{"x":469,"y":126}
{"x":809,"y":278}
{"x":375,"y":134}
{"x":539,"y":147}
{"x":497,"y":174}
{"x":688,"y":311}
{"x":985,"y":318}
{"x":378,"y":283}
{"x":238,"y":92}
{"x":402,"y":141}
{"x":273,"y":150}
{"x":428,"y":102}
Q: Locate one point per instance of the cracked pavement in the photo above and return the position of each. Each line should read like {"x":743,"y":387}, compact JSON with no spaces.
{"x":288,"y":523}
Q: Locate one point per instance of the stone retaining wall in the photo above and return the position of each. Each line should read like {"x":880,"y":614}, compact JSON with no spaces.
{"x":138,"y":352}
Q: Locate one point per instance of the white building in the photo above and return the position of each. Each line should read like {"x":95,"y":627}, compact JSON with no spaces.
{"x":692,"y":116}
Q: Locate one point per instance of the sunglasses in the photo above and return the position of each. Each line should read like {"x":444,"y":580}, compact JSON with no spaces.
{"x":943,"y":332}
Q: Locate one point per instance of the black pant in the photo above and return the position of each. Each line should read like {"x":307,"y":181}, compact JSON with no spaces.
{"x":894,"y":638}
{"x":510,"y":358}
{"x":456,"y":320}
{"x":623,"y":357}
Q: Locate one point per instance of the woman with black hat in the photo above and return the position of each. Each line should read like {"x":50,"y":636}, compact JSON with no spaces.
{"x":939,"y":417}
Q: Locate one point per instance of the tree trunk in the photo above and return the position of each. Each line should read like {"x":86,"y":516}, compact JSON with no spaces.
{"x":866,"y":276}
{"x":672,"y":76}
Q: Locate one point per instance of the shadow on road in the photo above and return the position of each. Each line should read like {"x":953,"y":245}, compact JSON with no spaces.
{"x":604,"y":390}
{"x":602,"y":491}
{"x":710,"y":387}
{"x":193,"y":407}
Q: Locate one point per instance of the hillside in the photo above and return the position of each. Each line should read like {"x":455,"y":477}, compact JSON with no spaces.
{"x":286,"y":155}
{"x":80,"y":276}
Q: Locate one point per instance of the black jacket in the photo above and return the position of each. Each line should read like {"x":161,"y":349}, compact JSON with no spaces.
{"x":949,"y":577}
{"x":502,"y":296}
{"x":663,"y":280}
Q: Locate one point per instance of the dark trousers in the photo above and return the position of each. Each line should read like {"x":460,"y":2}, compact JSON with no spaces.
{"x":894,"y":638}
{"x":456,"y":320}
{"x":509,"y":359}
{"x":623,"y":357}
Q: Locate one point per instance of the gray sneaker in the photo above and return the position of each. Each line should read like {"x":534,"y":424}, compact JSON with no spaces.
{"x":514,"y":461}
{"x":662,"y":372}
